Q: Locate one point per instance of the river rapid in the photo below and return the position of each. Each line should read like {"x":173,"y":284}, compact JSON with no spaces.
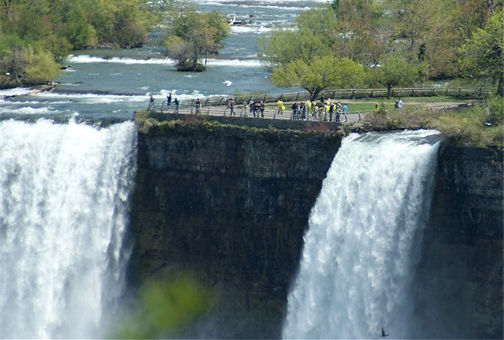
{"x":103,"y":84}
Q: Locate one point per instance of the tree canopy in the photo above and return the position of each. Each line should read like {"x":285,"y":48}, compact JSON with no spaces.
{"x":36,"y":35}
{"x":428,"y":35}
{"x":320,"y":74}
{"x":193,"y":35}
{"x":481,"y":55}
{"x":310,"y":37}
{"x":393,"y":70}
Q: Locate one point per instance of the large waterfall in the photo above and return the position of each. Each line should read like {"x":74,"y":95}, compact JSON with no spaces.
{"x":363,"y":237}
{"x":63,"y":210}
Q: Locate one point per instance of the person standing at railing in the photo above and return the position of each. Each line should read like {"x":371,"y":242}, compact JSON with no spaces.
{"x":261,"y":109}
{"x":168,"y":100}
{"x":176,"y":103}
{"x":244,"y":108}
{"x":252,"y":106}
{"x":321,"y":110}
{"x":314,"y":108}
{"x":280,"y":107}
{"x":338,"y":113}
{"x":198,"y":105}
{"x":331,"y":111}
{"x":151,"y":103}
{"x":308,"y":106}
{"x":344,"y":112}
{"x":294,"y":110}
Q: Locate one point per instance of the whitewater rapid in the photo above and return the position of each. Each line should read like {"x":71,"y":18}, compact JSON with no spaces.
{"x":64,"y":191}
{"x":362,"y":243}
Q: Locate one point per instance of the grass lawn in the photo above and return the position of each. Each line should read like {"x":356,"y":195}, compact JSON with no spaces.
{"x":360,"y":107}
{"x":355,"y":107}
{"x":433,"y":99}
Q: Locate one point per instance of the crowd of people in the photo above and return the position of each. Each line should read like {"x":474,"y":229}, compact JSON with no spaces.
{"x":168,"y":103}
{"x":327,"y":110}
{"x":324,"y":109}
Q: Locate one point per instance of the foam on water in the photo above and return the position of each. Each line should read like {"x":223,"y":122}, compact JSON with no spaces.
{"x":63,"y":212}
{"x":27,"y":110}
{"x":86,"y":59}
{"x":14,"y":92}
{"x":361,"y":247}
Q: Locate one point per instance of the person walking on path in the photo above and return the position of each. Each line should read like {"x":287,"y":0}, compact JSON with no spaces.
{"x":231,"y":106}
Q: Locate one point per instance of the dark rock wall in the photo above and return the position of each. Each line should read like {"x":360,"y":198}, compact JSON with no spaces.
{"x":460,"y":277}
{"x":231,"y":205}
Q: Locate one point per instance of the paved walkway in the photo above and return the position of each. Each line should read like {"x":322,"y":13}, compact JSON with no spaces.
{"x":269,"y":113}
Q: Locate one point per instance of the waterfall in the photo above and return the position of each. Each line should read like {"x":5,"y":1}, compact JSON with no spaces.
{"x":362,"y":243}
{"x":64,"y":190}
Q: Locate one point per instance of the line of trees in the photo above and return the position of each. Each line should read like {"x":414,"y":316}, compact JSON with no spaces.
{"x":37,"y":35}
{"x":396,"y":42}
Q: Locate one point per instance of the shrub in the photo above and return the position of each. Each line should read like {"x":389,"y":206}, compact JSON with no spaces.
{"x":41,"y":67}
{"x":475,"y":126}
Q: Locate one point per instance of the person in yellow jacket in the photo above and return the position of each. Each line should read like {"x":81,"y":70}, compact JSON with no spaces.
{"x":280,"y":106}
{"x":308,"y":106}
{"x":314,"y":108}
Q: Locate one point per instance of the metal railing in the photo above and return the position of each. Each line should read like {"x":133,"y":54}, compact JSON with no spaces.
{"x":244,"y":111}
{"x":460,"y":92}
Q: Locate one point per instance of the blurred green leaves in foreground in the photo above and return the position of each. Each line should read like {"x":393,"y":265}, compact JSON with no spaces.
{"x":166,"y":307}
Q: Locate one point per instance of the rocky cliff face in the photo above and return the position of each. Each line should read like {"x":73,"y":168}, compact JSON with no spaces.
{"x":460,"y":276}
{"x":232,"y":205}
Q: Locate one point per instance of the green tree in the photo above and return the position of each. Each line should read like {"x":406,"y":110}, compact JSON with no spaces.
{"x":314,"y":34}
{"x":22,"y":66}
{"x":165,"y":307}
{"x":481,"y":55}
{"x":394,"y":70}
{"x":362,"y":36}
{"x":36,"y":35}
{"x":285,"y":46}
{"x":194,"y":35}
{"x":320,"y":74}
{"x":426,"y":31}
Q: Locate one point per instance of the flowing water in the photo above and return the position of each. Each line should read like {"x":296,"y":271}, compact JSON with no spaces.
{"x":114,"y":83}
{"x":64,"y":187}
{"x":360,"y":249}
{"x":64,"y":190}
{"x":63,"y":211}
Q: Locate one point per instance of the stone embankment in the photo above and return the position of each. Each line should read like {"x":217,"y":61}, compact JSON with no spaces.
{"x":232,"y":204}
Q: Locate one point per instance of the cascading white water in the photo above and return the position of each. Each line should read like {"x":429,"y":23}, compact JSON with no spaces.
{"x":359,"y":251}
{"x":63,"y":210}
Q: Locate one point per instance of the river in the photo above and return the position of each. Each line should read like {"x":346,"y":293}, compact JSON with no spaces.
{"x":105,"y":83}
